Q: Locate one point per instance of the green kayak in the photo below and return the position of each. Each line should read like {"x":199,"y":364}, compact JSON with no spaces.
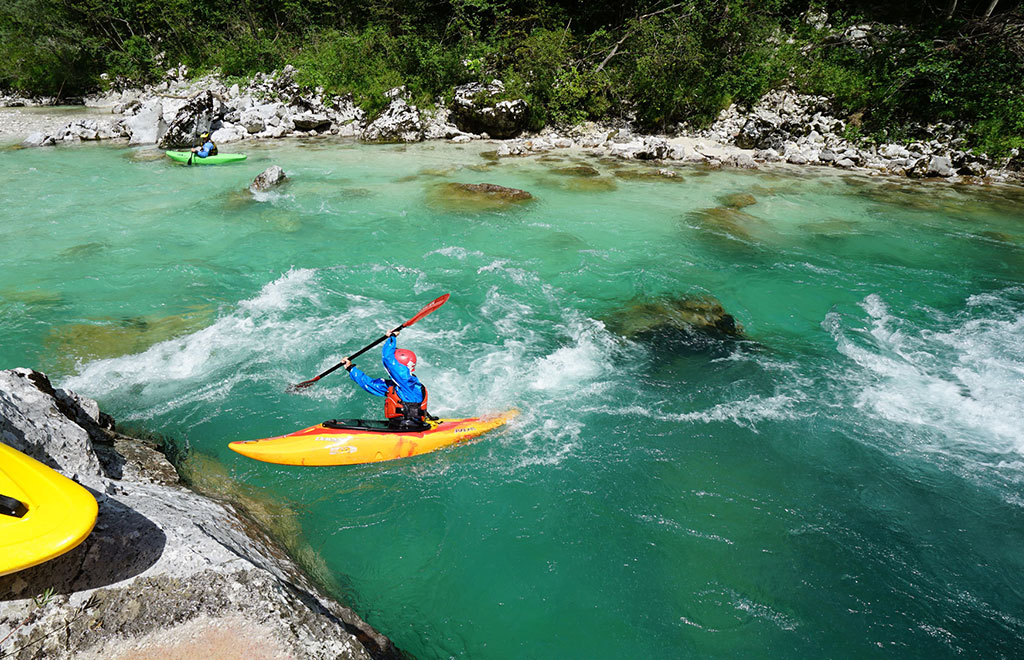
{"x":182,"y":157}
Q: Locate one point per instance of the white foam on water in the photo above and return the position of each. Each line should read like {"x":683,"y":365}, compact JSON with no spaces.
{"x":282,"y":292}
{"x":516,"y":275}
{"x":955,"y":388}
{"x":583,"y":366}
{"x":746,"y":413}
{"x":270,"y":196}
{"x":455,"y":252}
{"x":762,"y":611}
{"x":537,"y":364}
{"x":247,"y":344}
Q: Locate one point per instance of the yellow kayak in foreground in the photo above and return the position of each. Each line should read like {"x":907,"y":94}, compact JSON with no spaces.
{"x":354,"y":441}
{"x":43,"y":514}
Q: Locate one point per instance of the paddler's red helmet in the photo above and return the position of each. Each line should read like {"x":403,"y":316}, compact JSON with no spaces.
{"x":406,"y":357}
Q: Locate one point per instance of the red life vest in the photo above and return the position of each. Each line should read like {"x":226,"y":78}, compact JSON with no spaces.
{"x":396,"y":409}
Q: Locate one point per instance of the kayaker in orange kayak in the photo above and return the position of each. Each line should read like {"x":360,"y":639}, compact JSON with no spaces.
{"x":405,"y":397}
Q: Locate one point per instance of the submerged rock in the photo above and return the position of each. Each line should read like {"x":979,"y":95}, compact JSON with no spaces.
{"x":675,"y":318}
{"x":737,"y":200}
{"x":577,"y":170}
{"x":109,"y":338}
{"x":661,"y":174}
{"x":164,"y":568}
{"x":477,"y":196}
{"x":734,"y":222}
{"x":267,"y":179}
{"x":589,"y":184}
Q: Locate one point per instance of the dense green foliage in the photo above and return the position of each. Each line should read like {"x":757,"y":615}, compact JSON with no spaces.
{"x":659,"y":62}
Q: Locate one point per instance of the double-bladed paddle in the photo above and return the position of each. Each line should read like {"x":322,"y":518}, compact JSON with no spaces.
{"x":423,"y":312}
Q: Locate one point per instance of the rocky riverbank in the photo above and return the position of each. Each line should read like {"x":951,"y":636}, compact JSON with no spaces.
{"x":166,"y":572}
{"x":784,"y":128}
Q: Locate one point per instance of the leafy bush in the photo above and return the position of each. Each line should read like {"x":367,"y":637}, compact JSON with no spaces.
{"x":247,"y":54}
{"x":45,"y":51}
{"x":658,"y":62}
{"x":135,"y":63}
{"x":922,"y":76}
{"x":361,"y":64}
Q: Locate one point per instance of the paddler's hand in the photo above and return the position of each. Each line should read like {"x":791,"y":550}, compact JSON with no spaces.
{"x":345,"y":362}
{"x":394,"y":333}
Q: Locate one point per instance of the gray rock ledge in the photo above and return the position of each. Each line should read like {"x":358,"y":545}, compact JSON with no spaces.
{"x":165,"y":570}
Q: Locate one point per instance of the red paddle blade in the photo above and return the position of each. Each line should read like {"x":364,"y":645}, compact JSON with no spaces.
{"x":428,"y":309}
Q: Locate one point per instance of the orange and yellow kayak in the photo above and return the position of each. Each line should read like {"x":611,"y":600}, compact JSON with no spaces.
{"x":43,"y":514}
{"x":353,"y":441}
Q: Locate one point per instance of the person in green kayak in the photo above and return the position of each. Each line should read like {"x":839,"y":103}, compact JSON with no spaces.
{"x":206,"y":148}
{"x":405,"y":397}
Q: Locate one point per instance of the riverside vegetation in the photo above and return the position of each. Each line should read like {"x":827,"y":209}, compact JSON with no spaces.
{"x":892,"y":70}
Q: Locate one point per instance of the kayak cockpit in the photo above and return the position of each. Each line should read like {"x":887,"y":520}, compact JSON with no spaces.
{"x":378,"y":425}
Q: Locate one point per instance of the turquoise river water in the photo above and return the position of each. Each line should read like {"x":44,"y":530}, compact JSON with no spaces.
{"x":843,"y":482}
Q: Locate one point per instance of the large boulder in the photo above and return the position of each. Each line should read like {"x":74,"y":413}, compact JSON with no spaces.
{"x":164,"y":567}
{"x":437,"y":126}
{"x":38,"y":139}
{"x":761,"y":133}
{"x":311,"y":121}
{"x":52,"y":426}
{"x":192,"y":119}
{"x":475,"y":109}
{"x":655,"y":148}
{"x":253,"y":120}
{"x":225,"y":134}
{"x":267,"y":179}
{"x":400,"y":122}
{"x":147,"y":125}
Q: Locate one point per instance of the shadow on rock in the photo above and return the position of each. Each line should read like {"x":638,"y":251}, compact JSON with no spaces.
{"x":123,"y":544}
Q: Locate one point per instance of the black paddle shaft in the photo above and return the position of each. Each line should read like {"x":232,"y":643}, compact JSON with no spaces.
{"x":423,"y":312}
{"x":350,"y":358}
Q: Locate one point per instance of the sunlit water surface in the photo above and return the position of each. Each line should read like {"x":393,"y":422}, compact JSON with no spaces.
{"x":845,"y":481}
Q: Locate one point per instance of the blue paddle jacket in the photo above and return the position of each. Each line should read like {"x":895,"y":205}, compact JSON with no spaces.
{"x":407,"y":385}
{"x":206,"y":149}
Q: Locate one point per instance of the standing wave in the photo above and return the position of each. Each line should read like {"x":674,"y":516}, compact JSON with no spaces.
{"x":951,"y":386}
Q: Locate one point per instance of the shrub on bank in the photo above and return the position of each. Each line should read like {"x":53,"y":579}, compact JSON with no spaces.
{"x":891,"y":67}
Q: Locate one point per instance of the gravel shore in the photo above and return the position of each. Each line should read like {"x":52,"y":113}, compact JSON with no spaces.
{"x":17,"y":123}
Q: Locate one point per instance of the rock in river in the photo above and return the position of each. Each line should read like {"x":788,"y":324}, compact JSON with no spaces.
{"x":476,"y":196}
{"x":267,"y":179}
{"x":682,"y":317}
